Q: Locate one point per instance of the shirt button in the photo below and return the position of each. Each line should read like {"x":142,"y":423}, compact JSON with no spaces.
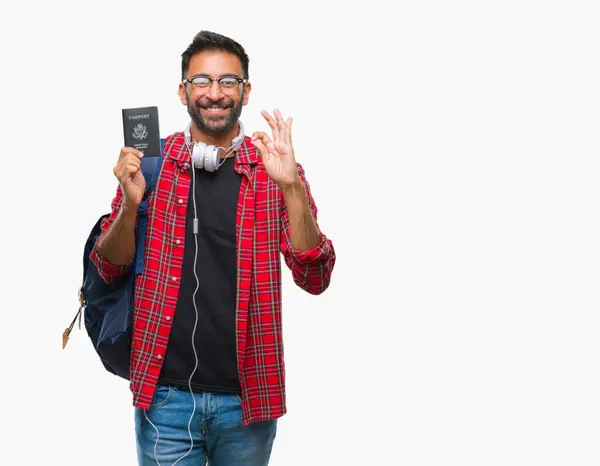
{"x":159,"y":356}
{"x":174,"y":279}
{"x":168,"y":317}
{"x":178,"y":241}
{"x":180,"y":201}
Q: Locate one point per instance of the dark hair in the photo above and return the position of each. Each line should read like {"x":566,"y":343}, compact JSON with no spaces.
{"x":211,"y":41}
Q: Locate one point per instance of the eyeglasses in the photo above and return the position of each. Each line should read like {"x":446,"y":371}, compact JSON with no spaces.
{"x":226,"y":83}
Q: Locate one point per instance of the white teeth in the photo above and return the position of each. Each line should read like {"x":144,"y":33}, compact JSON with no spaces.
{"x":214,"y":109}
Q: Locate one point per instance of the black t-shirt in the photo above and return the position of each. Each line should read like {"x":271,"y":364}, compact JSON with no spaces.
{"x":216,"y":196}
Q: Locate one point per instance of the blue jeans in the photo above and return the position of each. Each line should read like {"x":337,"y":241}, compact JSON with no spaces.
{"x":216,"y":428}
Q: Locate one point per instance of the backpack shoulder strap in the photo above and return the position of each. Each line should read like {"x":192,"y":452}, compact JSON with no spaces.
{"x":151,"y":170}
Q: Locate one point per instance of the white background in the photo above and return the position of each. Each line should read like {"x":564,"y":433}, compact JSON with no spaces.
{"x":452,"y":149}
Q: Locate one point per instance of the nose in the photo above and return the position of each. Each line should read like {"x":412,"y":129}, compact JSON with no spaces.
{"x":214,"y":93}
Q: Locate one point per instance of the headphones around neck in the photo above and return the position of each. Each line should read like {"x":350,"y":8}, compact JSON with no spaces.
{"x":206,"y":156}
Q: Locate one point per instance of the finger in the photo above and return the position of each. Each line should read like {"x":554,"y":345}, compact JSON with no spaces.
{"x":280,"y":120}
{"x":288,"y":131}
{"x":128,"y":160}
{"x":128,"y":157}
{"x":124,"y":166}
{"x":129,"y":171}
{"x":272,"y":124}
{"x":281,"y":125}
{"x":126,"y":172}
{"x":131,"y":150}
{"x":264,"y":137}
{"x":132,"y":159}
{"x":132,"y":169}
{"x":266,"y":140}
{"x":282,"y":128}
{"x":260,"y":147}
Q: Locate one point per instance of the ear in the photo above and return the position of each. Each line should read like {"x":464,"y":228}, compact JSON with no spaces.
{"x":182,"y":96}
{"x":247,"y":89}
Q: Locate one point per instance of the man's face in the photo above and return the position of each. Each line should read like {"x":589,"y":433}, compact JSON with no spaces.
{"x":214,"y":108}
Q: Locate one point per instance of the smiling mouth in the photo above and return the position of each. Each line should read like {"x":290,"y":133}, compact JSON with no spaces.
{"x":214,"y":110}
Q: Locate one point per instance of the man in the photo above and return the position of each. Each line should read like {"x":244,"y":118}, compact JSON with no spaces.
{"x":207,"y":370}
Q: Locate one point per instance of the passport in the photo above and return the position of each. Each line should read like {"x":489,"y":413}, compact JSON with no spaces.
{"x":140,"y":128}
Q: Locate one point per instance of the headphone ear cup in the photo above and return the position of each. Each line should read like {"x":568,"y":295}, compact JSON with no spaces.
{"x":211,"y":158}
{"x":205,"y":157}
{"x":198,"y":156}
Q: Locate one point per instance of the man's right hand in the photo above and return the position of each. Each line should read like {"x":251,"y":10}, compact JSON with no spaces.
{"x":128,"y":172}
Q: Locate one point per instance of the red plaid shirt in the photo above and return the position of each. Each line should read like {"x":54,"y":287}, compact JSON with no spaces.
{"x":262,"y":232}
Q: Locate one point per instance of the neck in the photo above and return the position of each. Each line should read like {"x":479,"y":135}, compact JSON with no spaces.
{"x":219,"y":140}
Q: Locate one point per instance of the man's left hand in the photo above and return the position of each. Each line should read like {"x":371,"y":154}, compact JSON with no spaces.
{"x":277,"y":155}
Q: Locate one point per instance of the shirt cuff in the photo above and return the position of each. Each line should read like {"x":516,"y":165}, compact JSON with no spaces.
{"x":107,"y":270}
{"x":315,"y":254}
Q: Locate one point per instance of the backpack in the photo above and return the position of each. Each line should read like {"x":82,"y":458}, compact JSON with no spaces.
{"x":109,"y":306}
